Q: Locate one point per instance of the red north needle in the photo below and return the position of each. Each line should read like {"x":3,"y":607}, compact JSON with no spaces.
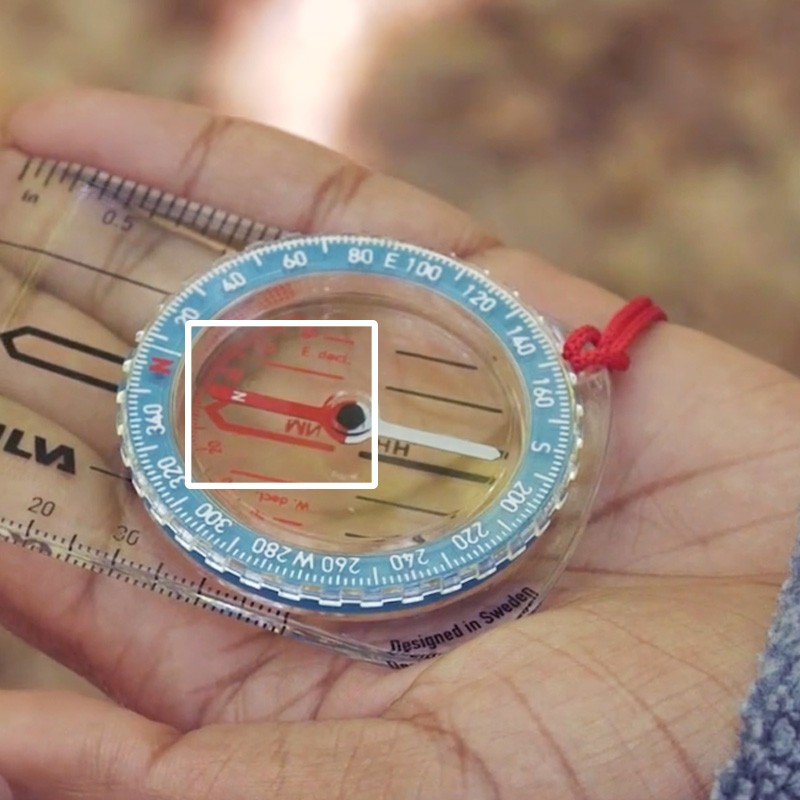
{"x":326,"y":416}
{"x":323,"y":414}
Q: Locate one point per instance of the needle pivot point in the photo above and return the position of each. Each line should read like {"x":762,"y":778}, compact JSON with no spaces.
{"x":351,"y":416}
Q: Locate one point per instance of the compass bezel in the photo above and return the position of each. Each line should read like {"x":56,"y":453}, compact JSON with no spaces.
{"x":408,"y":577}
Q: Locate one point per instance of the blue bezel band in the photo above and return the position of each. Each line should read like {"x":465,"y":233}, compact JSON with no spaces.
{"x":350,"y":583}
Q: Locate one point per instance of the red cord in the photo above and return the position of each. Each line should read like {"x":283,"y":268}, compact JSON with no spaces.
{"x":587,"y":347}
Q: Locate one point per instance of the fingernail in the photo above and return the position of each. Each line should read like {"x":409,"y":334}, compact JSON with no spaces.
{"x":5,"y":790}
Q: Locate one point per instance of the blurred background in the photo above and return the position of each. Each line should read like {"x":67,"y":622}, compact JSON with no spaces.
{"x":649,"y":145}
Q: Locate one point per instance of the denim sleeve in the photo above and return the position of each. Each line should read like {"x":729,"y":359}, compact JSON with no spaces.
{"x":767,"y":764}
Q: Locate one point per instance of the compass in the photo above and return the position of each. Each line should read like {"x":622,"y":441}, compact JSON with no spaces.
{"x":318,"y":363}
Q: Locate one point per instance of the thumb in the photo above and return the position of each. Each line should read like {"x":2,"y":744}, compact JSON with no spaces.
{"x":55,"y":745}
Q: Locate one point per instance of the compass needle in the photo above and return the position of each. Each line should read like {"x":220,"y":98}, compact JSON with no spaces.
{"x":438,"y":441}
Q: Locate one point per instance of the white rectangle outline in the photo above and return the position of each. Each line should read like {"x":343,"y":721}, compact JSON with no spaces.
{"x":190,"y":325}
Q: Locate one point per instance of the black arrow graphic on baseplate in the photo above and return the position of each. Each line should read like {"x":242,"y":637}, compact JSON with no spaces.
{"x":17,"y":341}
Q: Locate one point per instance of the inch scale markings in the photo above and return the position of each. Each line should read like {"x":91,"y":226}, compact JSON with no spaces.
{"x":152,"y":203}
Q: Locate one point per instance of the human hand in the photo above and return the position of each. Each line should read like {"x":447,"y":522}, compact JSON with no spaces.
{"x":626,"y":685}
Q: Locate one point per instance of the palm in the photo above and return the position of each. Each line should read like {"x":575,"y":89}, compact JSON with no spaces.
{"x":689,"y":538}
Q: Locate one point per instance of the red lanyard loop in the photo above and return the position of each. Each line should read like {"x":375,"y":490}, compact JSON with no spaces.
{"x":588,"y":347}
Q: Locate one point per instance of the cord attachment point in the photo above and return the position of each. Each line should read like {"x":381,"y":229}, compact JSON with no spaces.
{"x":589,"y":347}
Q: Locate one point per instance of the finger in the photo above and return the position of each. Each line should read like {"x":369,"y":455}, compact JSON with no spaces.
{"x":235,"y":165}
{"x":243,"y":167}
{"x":55,"y":746}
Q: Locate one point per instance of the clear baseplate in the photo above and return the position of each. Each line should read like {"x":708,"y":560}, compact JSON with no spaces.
{"x":85,"y":261}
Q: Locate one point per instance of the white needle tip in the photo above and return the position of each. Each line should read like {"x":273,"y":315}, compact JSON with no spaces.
{"x":439,"y":441}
